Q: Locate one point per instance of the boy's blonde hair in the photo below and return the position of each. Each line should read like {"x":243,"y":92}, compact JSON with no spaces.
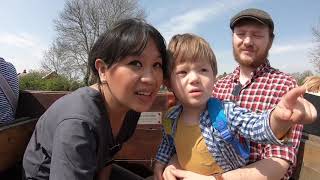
{"x":312,"y":83}
{"x":190,"y":48}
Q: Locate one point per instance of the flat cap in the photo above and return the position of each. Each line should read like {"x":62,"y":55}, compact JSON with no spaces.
{"x":254,"y":14}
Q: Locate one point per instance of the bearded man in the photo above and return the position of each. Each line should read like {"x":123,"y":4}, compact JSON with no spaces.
{"x":255,"y":85}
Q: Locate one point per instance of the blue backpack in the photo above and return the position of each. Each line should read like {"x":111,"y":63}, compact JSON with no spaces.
{"x":220,"y":123}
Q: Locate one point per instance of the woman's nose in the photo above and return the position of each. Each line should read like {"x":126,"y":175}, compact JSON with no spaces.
{"x":148,"y":76}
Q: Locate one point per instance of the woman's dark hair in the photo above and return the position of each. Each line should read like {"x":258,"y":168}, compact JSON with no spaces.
{"x":128,"y":37}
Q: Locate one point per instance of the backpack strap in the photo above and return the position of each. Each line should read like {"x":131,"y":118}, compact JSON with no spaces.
{"x":219,"y":122}
{"x":7,"y":90}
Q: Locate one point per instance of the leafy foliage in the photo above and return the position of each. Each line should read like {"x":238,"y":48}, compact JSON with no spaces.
{"x":35,"y":81}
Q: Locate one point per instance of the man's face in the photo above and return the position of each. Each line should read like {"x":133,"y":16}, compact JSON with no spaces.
{"x":251,"y":44}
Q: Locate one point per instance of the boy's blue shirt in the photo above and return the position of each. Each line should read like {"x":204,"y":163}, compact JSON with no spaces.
{"x":252,"y":126}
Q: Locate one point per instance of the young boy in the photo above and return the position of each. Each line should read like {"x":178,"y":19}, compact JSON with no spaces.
{"x":190,"y":138}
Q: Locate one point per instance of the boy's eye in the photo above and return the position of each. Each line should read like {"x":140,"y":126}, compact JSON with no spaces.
{"x":135,"y":63}
{"x":181,"y":73}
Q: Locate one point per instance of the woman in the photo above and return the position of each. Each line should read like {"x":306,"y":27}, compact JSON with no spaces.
{"x":312,"y":84}
{"x":77,"y":137}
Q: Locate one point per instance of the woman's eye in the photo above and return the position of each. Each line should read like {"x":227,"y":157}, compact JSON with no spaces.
{"x":158,"y":65}
{"x":135,"y":63}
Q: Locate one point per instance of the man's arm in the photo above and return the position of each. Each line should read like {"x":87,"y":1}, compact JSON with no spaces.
{"x":268,"y":127}
{"x":272,"y":168}
{"x":162,"y":171}
{"x":158,"y":170}
{"x":266,"y":169}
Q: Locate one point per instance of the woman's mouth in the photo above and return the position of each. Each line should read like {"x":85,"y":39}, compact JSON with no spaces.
{"x":144,"y":93}
{"x":145,"y":96}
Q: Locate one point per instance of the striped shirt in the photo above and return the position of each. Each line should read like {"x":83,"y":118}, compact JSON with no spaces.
{"x":240,"y":121}
{"x":9,"y":73}
{"x":262,"y":92}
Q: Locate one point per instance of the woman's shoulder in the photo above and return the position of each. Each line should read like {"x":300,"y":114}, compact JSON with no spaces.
{"x":83,"y":104}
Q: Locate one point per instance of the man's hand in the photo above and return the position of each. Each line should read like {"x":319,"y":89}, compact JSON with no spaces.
{"x":292,"y":109}
{"x":163,"y":172}
{"x":167,"y":173}
{"x":188,"y":175}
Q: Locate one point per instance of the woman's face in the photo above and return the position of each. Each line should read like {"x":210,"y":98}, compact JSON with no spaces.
{"x":135,"y":80}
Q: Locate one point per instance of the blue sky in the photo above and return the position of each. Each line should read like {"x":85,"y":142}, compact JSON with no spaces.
{"x":27,"y":28}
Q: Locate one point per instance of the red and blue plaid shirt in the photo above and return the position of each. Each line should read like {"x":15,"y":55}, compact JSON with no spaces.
{"x":262,"y":92}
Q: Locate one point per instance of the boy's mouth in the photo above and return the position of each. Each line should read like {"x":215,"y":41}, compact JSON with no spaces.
{"x":195,"y":92}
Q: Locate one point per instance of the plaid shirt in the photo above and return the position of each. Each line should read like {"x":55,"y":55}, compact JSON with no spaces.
{"x":240,"y":120}
{"x":262,"y":92}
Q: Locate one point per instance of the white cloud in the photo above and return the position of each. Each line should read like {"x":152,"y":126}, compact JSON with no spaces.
{"x":18,"y":40}
{"x":292,"y":56}
{"x":192,"y":17}
{"x":289,"y":47}
{"x":22,"y":49}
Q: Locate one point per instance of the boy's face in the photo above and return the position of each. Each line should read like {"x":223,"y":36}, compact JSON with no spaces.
{"x":192,"y":83}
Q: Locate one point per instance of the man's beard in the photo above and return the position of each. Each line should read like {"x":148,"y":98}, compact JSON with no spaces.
{"x":254,"y":63}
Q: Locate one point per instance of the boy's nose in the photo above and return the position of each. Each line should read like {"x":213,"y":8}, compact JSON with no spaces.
{"x":194,"y":76}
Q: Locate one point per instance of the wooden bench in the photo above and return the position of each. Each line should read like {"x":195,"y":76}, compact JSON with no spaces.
{"x":138,"y":153}
{"x":14,"y":138}
{"x":308,"y":163}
